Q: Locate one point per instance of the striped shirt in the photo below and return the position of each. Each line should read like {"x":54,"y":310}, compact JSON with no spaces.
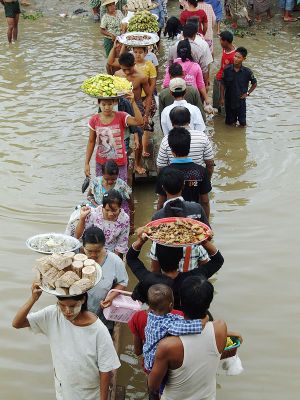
{"x":211,"y":18}
{"x":159,"y":326}
{"x":200,"y":150}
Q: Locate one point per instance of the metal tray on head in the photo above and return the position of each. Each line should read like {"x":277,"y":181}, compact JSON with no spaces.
{"x":57,"y":243}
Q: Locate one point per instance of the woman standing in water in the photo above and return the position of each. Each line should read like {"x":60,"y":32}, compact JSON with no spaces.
{"x":12,"y":14}
{"x":82,"y":350}
{"x":110,"y":25}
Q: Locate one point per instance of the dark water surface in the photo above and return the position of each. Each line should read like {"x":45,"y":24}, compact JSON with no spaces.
{"x":256,"y":190}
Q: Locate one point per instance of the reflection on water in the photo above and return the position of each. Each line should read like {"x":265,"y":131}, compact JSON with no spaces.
{"x":43,"y":125}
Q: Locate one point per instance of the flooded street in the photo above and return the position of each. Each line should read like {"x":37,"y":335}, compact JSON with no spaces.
{"x":255,"y":217}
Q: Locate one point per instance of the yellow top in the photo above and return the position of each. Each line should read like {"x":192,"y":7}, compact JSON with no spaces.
{"x":148,"y":70}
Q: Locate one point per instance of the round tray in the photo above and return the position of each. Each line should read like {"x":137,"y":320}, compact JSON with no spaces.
{"x":153,"y":38}
{"x":107,"y":97}
{"x":153,"y":5}
{"x":174,"y":219}
{"x":74,"y":244}
{"x":55,"y":293}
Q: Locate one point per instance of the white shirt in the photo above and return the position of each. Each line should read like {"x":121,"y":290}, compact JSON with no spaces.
{"x":196,"y":123}
{"x":79,"y":353}
{"x":201,"y":149}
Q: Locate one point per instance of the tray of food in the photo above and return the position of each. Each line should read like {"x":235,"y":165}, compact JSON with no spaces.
{"x":138,"y":39}
{"x":177,"y":232}
{"x":143,"y":21}
{"x":135,"y":5}
{"x":67,"y":274}
{"x":49,"y":243}
{"x":103,"y":86}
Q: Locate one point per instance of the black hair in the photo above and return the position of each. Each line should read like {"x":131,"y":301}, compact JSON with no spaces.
{"x":227,"y":36}
{"x":110,"y":167}
{"x":176,"y":95}
{"x":112,"y":197}
{"x":194,"y":3}
{"x":168,"y":257}
{"x":172,"y":180}
{"x":196,"y":294}
{"x":160,"y":297}
{"x":140,"y":292}
{"x":189,"y":30}
{"x":84,"y":306}
{"x":93,"y":235}
{"x":175,"y":70}
{"x":184,"y":50}
{"x":242,"y":51}
{"x":179,"y":140}
{"x":172,"y":28}
{"x":127,"y":59}
{"x":180,"y":116}
{"x":175,"y":208}
{"x":194,"y":20}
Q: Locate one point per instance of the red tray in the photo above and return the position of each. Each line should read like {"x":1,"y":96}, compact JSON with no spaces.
{"x":173,"y":219}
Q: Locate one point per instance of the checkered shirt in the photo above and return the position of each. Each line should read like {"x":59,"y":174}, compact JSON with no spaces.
{"x":159,"y":326}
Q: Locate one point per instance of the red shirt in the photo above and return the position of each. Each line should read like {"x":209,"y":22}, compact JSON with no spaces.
{"x":110,"y":138}
{"x":138,"y":323}
{"x":227,"y":59}
{"x":185,"y":15}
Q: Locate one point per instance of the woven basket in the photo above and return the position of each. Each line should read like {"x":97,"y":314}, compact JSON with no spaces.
{"x":232,"y":350}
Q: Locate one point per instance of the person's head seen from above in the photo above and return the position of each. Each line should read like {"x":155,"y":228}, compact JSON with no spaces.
{"x":179,"y":140}
{"x":196,"y":295}
{"x":110,"y":173}
{"x":160,"y":299}
{"x":226,"y":39}
{"x":93,"y":241}
{"x":127,"y":63}
{"x":180,"y":116}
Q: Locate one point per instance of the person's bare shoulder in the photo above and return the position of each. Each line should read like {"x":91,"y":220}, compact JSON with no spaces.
{"x":168,"y":344}
{"x":119,"y":73}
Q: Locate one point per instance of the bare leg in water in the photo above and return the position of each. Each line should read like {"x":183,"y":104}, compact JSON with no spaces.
{"x":12,"y":28}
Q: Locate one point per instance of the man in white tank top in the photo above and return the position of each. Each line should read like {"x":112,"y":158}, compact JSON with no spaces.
{"x":191,"y":361}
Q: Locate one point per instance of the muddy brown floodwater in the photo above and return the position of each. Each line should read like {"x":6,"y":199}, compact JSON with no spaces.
{"x":255,"y":199}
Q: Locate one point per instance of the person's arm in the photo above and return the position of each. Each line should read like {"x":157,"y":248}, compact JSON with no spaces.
{"x":179,"y":326}
{"x":204,"y":201}
{"x":160,"y":106}
{"x":155,"y":267}
{"x":91,"y":198}
{"x":107,"y":34}
{"x":210,"y":165}
{"x":235,"y":334}
{"x":20,"y":321}
{"x":220,"y":329}
{"x":148,"y":98}
{"x":84,"y":212}
{"x":135,"y":264}
{"x":166,"y":81}
{"x":138,"y":118}
{"x":213,"y":265}
{"x":109,"y":298}
{"x":160,"y":367}
{"x":164,"y":122}
{"x":105,"y":378}
{"x":204,"y":27}
{"x":253,"y":81}
{"x":113,"y":60}
{"x":253,"y":87}
{"x":162,"y":159}
{"x":89,"y":151}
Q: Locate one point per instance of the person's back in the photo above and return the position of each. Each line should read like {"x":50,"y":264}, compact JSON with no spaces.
{"x":196,"y":378}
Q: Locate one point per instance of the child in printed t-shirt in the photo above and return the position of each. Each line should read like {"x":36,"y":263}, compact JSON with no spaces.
{"x":107,"y":131}
{"x":161,"y":322}
{"x":147,"y":69}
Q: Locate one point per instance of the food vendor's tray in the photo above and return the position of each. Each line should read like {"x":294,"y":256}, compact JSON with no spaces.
{"x":138,"y":38}
{"x":177,"y":232}
{"x":49,"y":290}
{"x":49,"y":243}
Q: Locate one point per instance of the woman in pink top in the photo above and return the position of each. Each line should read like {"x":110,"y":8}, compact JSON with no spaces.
{"x":192,"y":71}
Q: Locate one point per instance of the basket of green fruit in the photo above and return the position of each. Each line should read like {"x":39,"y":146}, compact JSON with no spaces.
{"x":103,"y":86}
{"x":143,"y":21}
{"x":230,"y":350}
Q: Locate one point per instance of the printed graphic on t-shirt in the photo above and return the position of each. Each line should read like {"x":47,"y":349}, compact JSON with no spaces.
{"x":109,"y":142}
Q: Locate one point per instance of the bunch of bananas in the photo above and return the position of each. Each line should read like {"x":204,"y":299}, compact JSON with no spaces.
{"x":103,"y":85}
{"x":143,"y":21}
{"x":229,"y":342}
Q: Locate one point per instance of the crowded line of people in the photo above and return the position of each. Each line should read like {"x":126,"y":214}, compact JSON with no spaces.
{"x":176,"y":338}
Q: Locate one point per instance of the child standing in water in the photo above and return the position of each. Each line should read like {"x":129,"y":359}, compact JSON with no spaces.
{"x":107,"y":131}
{"x":108,"y":181}
{"x":12,"y":14}
{"x":234,"y":88}
{"x":147,"y":69}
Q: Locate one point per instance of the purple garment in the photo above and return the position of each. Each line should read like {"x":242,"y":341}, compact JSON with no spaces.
{"x":116,"y":232}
